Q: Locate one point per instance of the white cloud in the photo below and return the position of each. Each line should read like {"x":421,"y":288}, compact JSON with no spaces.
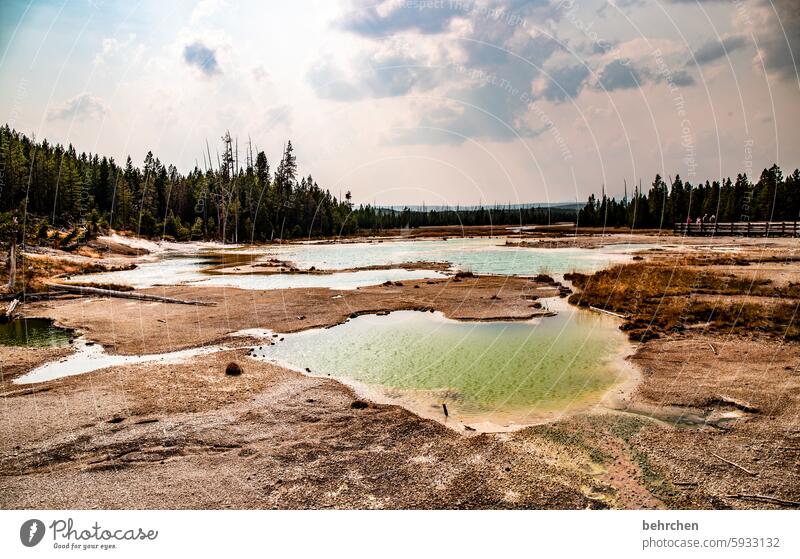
{"x":84,"y":106}
{"x":112,"y":46}
{"x":205,"y":9}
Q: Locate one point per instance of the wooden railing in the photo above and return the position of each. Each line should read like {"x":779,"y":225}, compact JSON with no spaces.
{"x":740,"y":229}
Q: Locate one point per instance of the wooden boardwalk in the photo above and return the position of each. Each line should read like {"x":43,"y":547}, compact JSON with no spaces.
{"x":740,"y":229}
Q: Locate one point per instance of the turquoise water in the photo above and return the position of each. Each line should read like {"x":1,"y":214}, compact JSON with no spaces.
{"x":479,"y":255}
{"x":496,"y":372}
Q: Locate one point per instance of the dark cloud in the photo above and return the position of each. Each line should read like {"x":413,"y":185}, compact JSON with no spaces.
{"x":488,"y":92}
{"x":477,"y":114}
{"x":623,"y":74}
{"x":715,"y":49}
{"x":329,"y":82}
{"x":397,"y":75}
{"x":682,"y":78}
{"x":498,"y":60}
{"x":201,"y":57}
{"x":83,"y":107}
{"x":565,"y":83}
{"x":779,"y":39}
{"x":388,"y":77}
{"x":776,"y":25}
{"x":620,"y":75}
{"x":373,"y":19}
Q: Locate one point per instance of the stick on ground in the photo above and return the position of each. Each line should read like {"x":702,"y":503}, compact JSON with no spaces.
{"x":81,"y":290}
{"x":764,"y":499}
{"x":752,"y":473}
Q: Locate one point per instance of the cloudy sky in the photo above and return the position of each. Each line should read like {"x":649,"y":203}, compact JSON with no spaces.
{"x":441,"y":101}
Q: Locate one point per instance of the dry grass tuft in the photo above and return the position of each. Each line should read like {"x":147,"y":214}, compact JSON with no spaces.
{"x":661,"y":297}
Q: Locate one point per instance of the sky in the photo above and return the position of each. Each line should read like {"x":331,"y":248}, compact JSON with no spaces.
{"x":418,"y":101}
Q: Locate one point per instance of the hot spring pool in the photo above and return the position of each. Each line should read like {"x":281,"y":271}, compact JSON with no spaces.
{"x":494,"y":373}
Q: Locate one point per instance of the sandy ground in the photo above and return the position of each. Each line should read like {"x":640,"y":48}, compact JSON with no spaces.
{"x":188,"y":436}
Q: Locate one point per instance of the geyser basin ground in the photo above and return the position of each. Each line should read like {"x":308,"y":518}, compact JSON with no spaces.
{"x":491,"y":375}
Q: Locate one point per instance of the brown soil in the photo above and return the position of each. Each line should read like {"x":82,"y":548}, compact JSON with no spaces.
{"x":578,"y":241}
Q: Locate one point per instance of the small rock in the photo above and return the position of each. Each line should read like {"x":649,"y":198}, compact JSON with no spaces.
{"x":359,"y":405}
{"x":233,"y":369}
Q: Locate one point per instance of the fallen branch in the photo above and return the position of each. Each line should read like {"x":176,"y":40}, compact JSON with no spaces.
{"x":723,"y":400}
{"x":752,"y":473}
{"x":8,"y":314}
{"x":608,"y":312}
{"x":764,"y":499}
{"x":81,"y":290}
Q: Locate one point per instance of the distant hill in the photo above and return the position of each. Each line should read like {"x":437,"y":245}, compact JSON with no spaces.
{"x":566,"y":206}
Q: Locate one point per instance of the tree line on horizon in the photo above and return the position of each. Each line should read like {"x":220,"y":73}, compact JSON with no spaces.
{"x":773,"y":198}
{"x":246,"y":201}
{"x":228,"y":200}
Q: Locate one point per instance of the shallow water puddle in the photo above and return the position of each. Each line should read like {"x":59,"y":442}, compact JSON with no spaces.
{"x":173,"y":270}
{"x":491,"y":374}
{"x":33,"y":332}
{"x":90,"y":357}
{"x":168,"y":269}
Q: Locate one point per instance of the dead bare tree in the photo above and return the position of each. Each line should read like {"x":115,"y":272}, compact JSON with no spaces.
{"x":12,"y":256}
